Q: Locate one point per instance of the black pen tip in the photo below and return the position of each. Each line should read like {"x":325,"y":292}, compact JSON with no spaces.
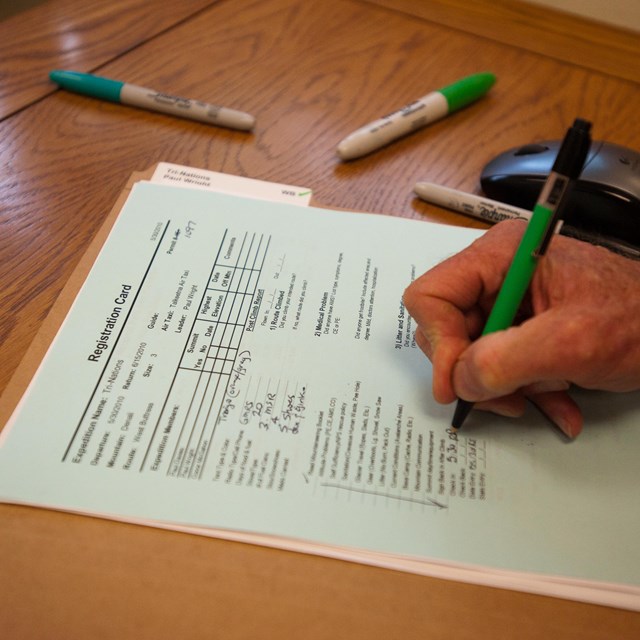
{"x":460,"y":414}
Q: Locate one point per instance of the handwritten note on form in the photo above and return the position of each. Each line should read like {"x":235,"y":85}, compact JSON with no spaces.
{"x":246,"y":369}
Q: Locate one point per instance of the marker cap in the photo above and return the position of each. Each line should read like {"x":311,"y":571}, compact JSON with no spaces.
{"x":574,"y":150}
{"x":461,"y":93}
{"x":87,"y":84}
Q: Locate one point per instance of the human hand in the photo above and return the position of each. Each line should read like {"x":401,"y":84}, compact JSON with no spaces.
{"x":579,"y":324}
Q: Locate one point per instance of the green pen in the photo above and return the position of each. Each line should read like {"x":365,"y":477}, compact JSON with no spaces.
{"x":540,"y":229}
{"x":416,"y":115}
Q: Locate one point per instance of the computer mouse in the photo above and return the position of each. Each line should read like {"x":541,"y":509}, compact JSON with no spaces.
{"x":604,"y":201}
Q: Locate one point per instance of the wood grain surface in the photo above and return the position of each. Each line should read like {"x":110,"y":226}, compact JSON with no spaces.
{"x":79,"y":35}
{"x":562,"y":36}
{"x":311,"y":72}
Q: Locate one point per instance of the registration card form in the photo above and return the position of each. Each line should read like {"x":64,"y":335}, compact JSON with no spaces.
{"x":249,"y":366}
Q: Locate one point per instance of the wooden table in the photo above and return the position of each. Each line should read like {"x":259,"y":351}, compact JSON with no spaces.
{"x":311,"y":72}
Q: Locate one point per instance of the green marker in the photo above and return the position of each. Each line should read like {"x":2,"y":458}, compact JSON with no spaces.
{"x":540,"y":229}
{"x":416,"y":115}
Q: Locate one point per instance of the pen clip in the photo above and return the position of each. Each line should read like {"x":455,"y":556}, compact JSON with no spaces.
{"x":553,"y":228}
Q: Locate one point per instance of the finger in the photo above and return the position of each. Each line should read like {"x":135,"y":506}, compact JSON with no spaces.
{"x":424,"y":344}
{"x":545,"y":386}
{"x":511,"y":406}
{"x":484,"y":264}
{"x":543,"y":350}
{"x":562,"y":410}
{"x":557,"y":406}
{"x":475,"y":320}
{"x":443,"y":359}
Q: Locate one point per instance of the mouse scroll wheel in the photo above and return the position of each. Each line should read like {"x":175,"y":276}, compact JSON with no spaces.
{"x":530,"y":149}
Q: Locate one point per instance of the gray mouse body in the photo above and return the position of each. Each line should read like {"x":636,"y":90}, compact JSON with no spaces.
{"x":604,"y":201}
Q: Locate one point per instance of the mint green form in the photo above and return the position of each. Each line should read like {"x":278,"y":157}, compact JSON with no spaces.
{"x":88,"y":84}
{"x":322,"y":433}
{"x":468,"y":90}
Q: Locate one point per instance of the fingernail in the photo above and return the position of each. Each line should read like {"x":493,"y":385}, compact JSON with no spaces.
{"x":565,"y":426}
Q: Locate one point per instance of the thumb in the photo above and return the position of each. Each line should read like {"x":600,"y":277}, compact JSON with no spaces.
{"x":537,"y":351}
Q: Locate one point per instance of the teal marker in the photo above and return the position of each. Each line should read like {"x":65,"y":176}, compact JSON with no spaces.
{"x":414,"y":116}
{"x":116,"y":91}
{"x":540,"y":229}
